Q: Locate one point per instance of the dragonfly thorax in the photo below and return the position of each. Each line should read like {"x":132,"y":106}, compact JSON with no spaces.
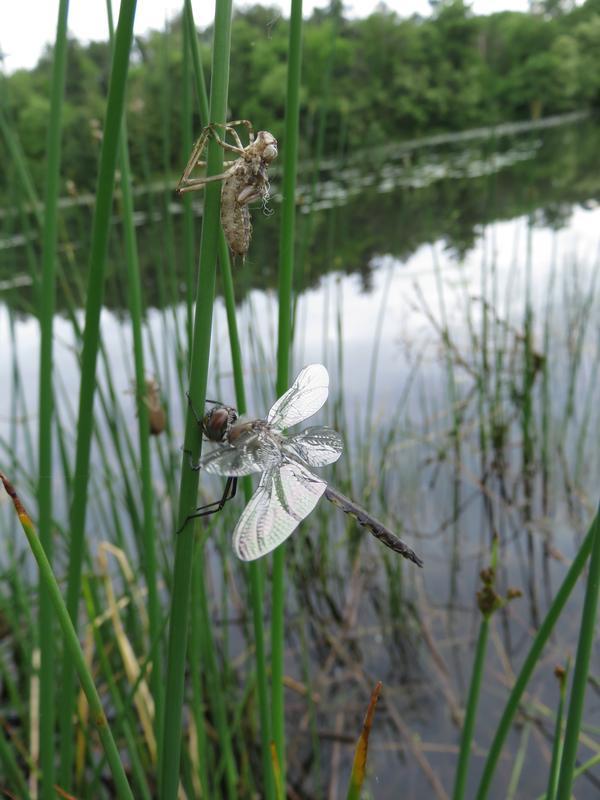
{"x":217,"y":423}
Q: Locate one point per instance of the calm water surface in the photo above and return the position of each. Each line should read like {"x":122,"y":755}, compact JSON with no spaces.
{"x":442,"y":286}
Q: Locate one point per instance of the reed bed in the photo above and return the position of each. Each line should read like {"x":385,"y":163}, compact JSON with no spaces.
{"x":196,"y":662}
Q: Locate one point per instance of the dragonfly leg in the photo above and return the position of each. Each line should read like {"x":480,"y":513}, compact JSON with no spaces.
{"x":197,"y":417}
{"x":194,"y":157}
{"x":237,"y":149}
{"x":193,"y":184}
{"x":196,"y":466}
{"x":225,"y":163}
{"x":215,"y":506}
{"x":230,"y":127}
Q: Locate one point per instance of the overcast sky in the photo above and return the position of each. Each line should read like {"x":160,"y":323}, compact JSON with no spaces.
{"x":27,"y":25}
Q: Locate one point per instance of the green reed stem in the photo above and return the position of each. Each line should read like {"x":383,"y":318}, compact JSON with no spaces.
{"x":134,"y":294}
{"x":193,"y":69}
{"x":11,"y":770}
{"x":19,"y":163}
{"x":124,"y":722}
{"x":255,"y":569}
{"x":199,"y":705}
{"x":558,"y":742}
{"x":580,"y":672}
{"x":47,"y":298}
{"x":180,"y":602}
{"x":188,"y":212}
{"x":72,"y":647}
{"x":95,"y":292}
{"x":286,"y":270}
{"x":466,"y":741}
{"x":530,"y":662}
{"x":256,"y":598}
{"x":198,"y":639}
{"x":199,"y":82}
{"x":518,"y":762}
{"x":583,"y":768}
{"x":214,"y":686}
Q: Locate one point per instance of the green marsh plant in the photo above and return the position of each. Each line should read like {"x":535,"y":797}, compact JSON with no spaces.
{"x":72,"y":646}
{"x":255,"y":569}
{"x":91,"y":337}
{"x":531,"y":661}
{"x":184,"y":548}
{"x":286,"y":268}
{"x":46,"y":402}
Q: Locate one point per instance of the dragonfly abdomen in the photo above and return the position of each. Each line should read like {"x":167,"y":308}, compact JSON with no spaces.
{"x":371,"y":524}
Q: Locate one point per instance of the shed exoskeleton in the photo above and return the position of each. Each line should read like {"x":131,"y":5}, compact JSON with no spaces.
{"x":244,"y":181}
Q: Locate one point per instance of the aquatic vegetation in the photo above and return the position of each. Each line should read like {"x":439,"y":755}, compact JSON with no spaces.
{"x":458,"y":323}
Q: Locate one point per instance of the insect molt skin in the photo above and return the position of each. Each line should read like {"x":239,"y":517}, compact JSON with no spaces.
{"x":157,"y":417}
{"x":245,"y":181}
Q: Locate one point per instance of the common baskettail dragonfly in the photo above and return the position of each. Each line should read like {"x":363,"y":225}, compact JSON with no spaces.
{"x":288,"y":489}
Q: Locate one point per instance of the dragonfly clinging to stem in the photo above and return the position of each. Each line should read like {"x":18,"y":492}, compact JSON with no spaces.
{"x":288,"y":489}
{"x":244,"y":180}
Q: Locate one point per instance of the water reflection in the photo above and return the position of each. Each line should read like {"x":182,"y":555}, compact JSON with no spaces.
{"x":443,"y":313}
{"x":439,"y":193}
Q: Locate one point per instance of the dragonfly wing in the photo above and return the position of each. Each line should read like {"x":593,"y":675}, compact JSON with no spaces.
{"x":305,"y":397}
{"x":285,"y":496}
{"x":316,"y":446}
{"x":250,"y":454}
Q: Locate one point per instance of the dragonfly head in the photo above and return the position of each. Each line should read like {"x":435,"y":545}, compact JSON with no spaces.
{"x":217,"y":423}
{"x":266,"y":146}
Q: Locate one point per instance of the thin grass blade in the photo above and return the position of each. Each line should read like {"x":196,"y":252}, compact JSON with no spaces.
{"x":286,"y":270}
{"x":558,"y":743}
{"x":580,"y":672}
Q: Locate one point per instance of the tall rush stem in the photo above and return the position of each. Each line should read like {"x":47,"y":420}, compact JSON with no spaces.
{"x":184,"y":544}
{"x":286,"y":268}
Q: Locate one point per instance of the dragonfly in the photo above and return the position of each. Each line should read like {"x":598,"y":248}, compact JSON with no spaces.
{"x":288,"y":489}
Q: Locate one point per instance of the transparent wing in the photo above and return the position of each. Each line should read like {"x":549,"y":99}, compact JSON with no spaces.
{"x":252,"y":453}
{"x":283,"y":499}
{"x":306,"y":396}
{"x":316,"y":446}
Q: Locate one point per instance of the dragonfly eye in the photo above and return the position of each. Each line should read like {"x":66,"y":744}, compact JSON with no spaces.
{"x":217,"y":423}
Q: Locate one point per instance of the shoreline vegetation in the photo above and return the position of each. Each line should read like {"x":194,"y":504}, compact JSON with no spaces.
{"x":393,"y":150}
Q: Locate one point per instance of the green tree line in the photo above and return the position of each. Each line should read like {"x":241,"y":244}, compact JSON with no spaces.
{"x":365,"y":82}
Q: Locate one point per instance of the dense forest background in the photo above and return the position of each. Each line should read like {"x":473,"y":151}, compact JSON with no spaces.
{"x":365,"y":82}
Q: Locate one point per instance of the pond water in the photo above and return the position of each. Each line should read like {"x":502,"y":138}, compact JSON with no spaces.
{"x":451,"y":290}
